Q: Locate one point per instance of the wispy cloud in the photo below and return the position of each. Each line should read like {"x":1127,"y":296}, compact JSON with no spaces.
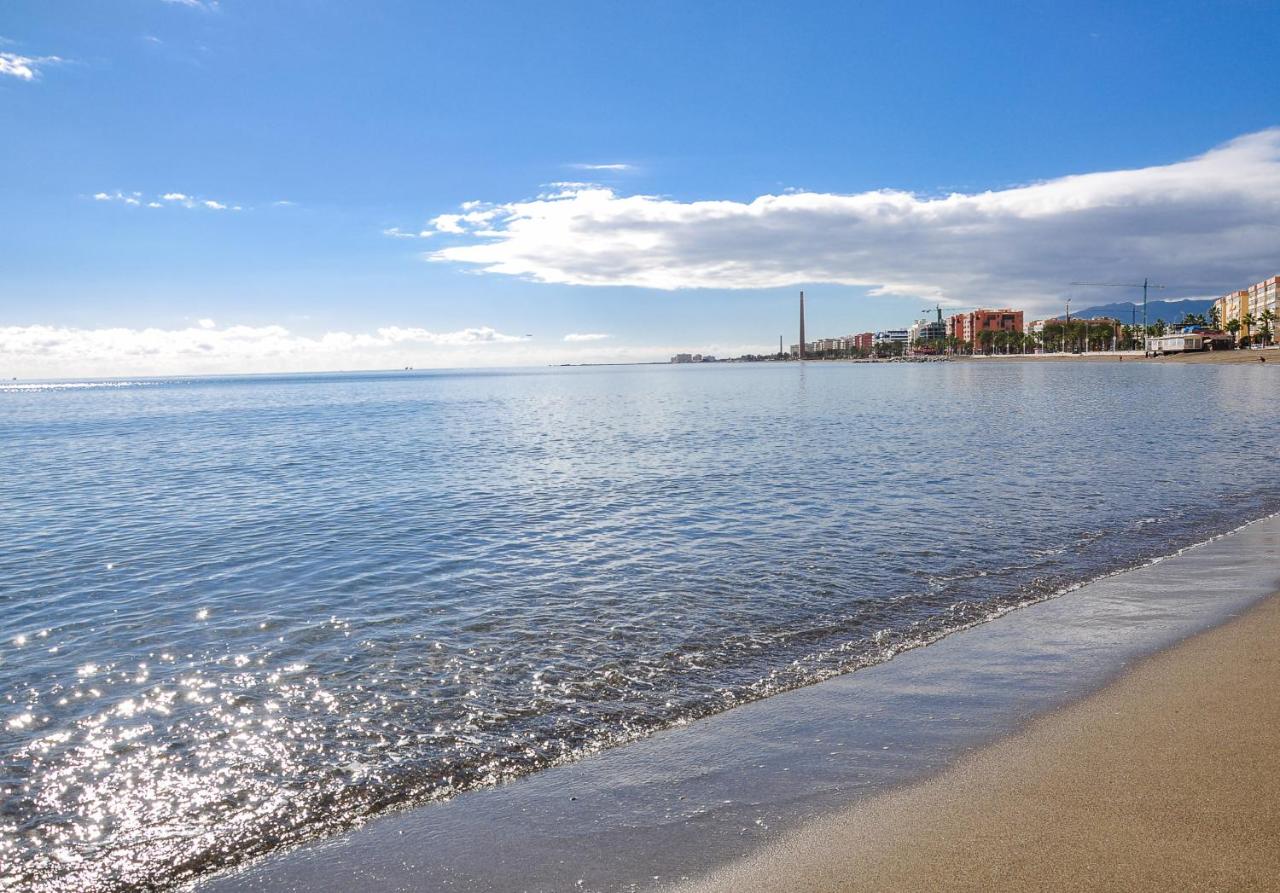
{"x":166,"y":199}
{"x":1211,"y":222}
{"x":26,"y":68}
{"x":202,"y":5}
{"x":611,"y":166}
{"x":396,"y":232}
{"x":585,"y":336}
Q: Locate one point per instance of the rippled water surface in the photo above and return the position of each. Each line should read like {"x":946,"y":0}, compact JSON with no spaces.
{"x":238,"y":613}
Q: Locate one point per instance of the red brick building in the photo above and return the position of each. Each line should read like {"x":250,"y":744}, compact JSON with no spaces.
{"x":970,"y":326}
{"x":865,"y":341}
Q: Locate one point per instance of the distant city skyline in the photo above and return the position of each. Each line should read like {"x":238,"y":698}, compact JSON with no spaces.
{"x":195,"y":186}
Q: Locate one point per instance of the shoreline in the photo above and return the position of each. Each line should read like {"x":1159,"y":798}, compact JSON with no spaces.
{"x":697,"y":798}
{"x":1162,"y":780}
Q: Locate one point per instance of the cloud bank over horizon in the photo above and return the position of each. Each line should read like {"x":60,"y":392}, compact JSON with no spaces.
{"x":1204,"y":225}
{"x":41,"y":351}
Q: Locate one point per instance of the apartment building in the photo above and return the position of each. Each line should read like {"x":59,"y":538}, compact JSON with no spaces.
{"x":892,"y":336}
{"x":1233,"y":305}
{"x":927,"y":330}
{"x":970,"y":326}
{"x":1263,"y":297}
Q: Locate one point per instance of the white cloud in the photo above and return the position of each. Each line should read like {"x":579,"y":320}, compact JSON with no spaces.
{"x":585,"y":336}
{"x":203,"y":5}
{"x":481,"y":335}
{"x":613,"y":166}
{"x":52,"y":351}
{"x":40,"y":351}
{"x":174,"y":197}
{"x":26,"y":68}
{"x":132,"y":199}
{"x":216,"y":206}
{"x":467,"y":222}
{"x":396,"y":232}
{"x":1208,"y":223}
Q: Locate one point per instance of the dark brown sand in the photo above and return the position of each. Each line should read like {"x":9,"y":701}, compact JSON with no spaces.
{"x":1169,"y":779}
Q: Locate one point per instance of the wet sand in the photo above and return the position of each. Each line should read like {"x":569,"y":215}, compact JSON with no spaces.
{"x":1167,"y":779}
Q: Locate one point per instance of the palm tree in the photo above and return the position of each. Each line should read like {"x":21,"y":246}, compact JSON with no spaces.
{"x":1097,"y":334}
{"x":1248,"y":321}
{"x":1215,"y":318}
{"x":1233,"y":326}
{"x":1268,"y":317}
{"x":987,"y":339}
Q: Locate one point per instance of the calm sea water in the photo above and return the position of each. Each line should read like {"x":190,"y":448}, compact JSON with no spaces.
{"x":239,"y":613}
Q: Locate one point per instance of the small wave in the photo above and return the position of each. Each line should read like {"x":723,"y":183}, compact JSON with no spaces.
{"x":37,"y":386}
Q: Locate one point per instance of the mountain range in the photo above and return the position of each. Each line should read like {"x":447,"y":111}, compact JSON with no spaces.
{"x":1168,"y":311}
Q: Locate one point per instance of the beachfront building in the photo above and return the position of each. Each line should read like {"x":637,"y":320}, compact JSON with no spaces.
{"x":923,"y":331}
{"x":1259,"y":302}
{"x":971,"y":326}
{"x":1264,"y":296}
{"x":891,"y":336}
{"x":864,"y":341}
{"x":1234,"y":306}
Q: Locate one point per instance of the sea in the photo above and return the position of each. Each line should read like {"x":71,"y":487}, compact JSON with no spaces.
{"x":242,"y":613}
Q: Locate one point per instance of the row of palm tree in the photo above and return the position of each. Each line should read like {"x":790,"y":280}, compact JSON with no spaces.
{"x":1077,"y":334}
{"x":1264,"y":322}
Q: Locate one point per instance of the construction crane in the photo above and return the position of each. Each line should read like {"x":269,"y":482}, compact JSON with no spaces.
{"x":926,"y":311}
{"x":1144,"y":285}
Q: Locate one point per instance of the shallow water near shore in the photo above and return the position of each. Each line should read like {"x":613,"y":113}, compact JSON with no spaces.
{"x":239,"y":614}
{"x":674,"y":810}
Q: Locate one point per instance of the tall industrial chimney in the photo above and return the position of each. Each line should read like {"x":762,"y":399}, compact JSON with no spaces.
{"x":802,"y":325}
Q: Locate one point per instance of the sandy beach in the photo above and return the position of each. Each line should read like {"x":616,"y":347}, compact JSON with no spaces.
{"x":1215,"y":357}
{"x":1164,"y":780}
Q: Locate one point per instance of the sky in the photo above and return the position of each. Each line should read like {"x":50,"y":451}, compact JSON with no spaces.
{"x":190,"y":186}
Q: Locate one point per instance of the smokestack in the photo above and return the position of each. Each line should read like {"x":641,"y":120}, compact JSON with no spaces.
{"x":779,"y":345}
{"x":802,"y":325}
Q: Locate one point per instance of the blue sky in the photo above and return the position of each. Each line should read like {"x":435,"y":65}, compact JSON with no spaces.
{"x":336,"y":135}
